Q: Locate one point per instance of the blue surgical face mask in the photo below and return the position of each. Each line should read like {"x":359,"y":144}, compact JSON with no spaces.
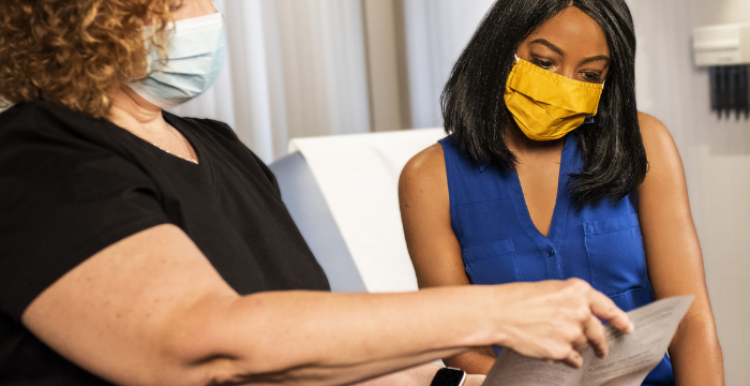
{"x":195,"y":55}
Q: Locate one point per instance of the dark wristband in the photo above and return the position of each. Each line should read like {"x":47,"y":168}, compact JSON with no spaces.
{"x":448,"y":376}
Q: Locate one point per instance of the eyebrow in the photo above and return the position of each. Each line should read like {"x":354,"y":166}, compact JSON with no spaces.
{"x":560,"y":52}
{"x":549,"y":45}
{"x":600,"y":58}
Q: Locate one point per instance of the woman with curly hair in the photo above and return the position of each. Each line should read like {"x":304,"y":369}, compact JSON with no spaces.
{"x":141,"y":248}
{"x":550,"y":172}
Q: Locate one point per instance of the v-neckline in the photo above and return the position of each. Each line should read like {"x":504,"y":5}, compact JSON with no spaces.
{"x":190,"y":140}
{"x":163,"y":153}
{"x":561,"y":202}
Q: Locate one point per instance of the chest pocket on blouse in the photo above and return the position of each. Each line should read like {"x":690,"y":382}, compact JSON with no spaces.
{"x":615,"y":250}
{"x":491,"y":263}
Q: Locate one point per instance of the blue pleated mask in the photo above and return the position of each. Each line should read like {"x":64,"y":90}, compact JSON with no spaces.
{"x":195,"y":55}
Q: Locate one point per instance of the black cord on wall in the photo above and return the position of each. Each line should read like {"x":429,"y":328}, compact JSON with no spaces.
{"x":730,"y":90}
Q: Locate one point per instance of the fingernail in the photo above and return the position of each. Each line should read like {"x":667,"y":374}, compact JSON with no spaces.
{"x":631,"y":327}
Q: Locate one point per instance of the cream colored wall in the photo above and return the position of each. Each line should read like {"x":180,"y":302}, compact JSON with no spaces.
{"x":716,"y":154}
{"x":731,"y":11}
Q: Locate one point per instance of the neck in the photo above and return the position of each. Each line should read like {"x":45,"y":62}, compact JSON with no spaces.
{"x":521,"y":145}
{"x":135,"y":114}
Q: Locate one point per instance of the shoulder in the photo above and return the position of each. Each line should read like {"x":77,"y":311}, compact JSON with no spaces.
{"x":49,"y":126}
{"x":32,"y":115}
{"x":212,"y":127}
{"x":426,"y":159}
{"x":656,"y":137}
{"x":50,"y":147}
{"x":429,"y":162}
{"x":23,"y":108}
{"x":664,"y":159}
{"x":425,"y":171}
{"x":222,"y":134}
{"x":45,"y":131}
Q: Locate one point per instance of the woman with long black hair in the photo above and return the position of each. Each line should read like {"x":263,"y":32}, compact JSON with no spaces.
{"x":550,"y":172}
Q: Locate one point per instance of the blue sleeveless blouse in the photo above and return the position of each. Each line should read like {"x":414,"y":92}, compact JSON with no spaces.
{"x":601,"y":244}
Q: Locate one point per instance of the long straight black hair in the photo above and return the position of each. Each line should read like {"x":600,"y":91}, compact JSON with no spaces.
{"x":475,"y":112}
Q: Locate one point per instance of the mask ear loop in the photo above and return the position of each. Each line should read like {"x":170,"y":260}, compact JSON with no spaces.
{"x":590,"y":120}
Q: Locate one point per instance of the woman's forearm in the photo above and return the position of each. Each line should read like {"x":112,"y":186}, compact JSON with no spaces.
{"x":151,"y":310}
{"x":695,"y":353}
{"x":343,"y":338}
{"x":338,"y":338}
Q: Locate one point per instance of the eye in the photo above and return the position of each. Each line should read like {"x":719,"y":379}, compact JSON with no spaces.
{"x":545,"y":64}
{"x":591,"y":76}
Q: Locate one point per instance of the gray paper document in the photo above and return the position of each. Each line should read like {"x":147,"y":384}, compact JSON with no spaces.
{"x":630,"y":359}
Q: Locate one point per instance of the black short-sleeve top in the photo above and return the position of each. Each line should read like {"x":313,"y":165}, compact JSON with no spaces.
{"x":71,"y":185}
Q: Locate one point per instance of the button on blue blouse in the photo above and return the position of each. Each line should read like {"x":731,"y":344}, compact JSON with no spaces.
{"x":601,"y":244}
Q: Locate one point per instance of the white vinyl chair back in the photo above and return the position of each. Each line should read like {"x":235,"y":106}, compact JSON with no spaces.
{"x":358,"y":176}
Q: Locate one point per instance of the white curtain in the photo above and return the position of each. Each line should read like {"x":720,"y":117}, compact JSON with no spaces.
{"x":295,"y":68}
{"x":437,"y":31}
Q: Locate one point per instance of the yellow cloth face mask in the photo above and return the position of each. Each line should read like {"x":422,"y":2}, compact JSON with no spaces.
{"x":547,"y":106}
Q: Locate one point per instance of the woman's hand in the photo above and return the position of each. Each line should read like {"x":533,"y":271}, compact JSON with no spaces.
{"x":556,"y":320}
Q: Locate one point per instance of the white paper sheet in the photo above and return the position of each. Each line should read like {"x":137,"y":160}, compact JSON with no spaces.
{"x":358,"y":175}
{"x":631,"y":357}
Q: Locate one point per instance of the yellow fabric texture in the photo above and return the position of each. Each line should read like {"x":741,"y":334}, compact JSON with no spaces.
{"x":547,"y":106}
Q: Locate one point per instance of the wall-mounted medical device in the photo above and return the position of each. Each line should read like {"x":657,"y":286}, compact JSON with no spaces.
{"x":725,"y":49}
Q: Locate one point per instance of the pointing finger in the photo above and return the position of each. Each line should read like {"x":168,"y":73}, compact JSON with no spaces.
{"x":604,"y":308}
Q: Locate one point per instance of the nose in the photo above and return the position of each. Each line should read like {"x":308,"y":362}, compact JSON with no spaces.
{"x":569,"y":73}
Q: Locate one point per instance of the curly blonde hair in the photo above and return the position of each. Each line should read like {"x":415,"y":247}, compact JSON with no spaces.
{"x":75,"y":53}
